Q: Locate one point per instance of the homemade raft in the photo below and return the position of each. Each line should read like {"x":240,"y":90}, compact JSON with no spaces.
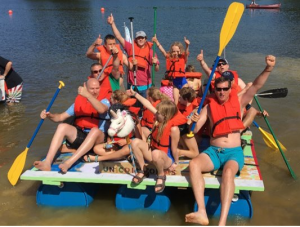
{"x":79,"y":185}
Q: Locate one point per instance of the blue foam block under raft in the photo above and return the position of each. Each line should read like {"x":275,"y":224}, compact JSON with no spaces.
{"x":69,"y":195}
{"x":133,"y":199}
{"x":242,"y":206}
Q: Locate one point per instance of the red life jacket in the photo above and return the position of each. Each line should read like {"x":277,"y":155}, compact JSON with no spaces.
{"x":226,"y":118}
{"x":165,"y":141}
{"x":142,"y":55}
{"x":176,"y":66}
{"x":148,"y":117}
{"x":104,"y":55}
{"x":129,"y":103}
{"x":197,"y":75}
{"x":236,"y":77}
{"x":86,"y":115}
{"x":187,"y":110}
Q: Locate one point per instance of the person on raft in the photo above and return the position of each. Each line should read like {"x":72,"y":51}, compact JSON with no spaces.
{"x":176,"y":59}
{"x":87,"y":130}
{"x":225,"y":143}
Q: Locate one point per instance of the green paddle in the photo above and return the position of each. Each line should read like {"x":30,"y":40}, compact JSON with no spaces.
{"x":277,"y":143}
{"x":18,"y":165}
{"x":231,"y":21}
{"x":154,"y":47}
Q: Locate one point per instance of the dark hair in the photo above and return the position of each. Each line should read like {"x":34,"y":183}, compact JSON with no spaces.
{"x":115,"y":107}
{"x":109,"y":36}
{"x":94,"y":64}
{"x":187,"y":93}
{"x":221,"y":80}
{"x":190,"y":68}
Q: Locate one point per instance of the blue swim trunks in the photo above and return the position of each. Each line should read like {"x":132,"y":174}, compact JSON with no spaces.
{"x":219,"y":156}
{"x":179,"y":82}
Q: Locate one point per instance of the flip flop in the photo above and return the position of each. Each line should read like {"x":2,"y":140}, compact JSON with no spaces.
{"x":161,"y":186}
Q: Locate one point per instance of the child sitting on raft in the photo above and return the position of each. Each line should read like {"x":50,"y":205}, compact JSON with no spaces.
{"x":117,"y":148}
{"x":154,"y":96}
{"x":176,"y":60}
{"x":162,"y":151}
{"x":193,"y":78}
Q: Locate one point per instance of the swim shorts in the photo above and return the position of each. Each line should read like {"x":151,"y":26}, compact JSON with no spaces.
{"x":179,"y":82}
{"x":219,"y":156}
{"x":81,"y":135}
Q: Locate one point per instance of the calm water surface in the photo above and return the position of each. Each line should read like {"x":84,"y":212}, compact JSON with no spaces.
{"x":47,"y":41}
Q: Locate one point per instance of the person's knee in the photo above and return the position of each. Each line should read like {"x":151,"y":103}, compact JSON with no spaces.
{"x":156,"y":155}
{"x":194,"y":165}
{"x":62,"y":127}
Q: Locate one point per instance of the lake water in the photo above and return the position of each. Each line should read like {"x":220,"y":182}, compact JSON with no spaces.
{"x":47,"y":39}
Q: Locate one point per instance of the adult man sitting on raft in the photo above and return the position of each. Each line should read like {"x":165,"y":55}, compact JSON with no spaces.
{"x":143,"y":58}
{"x":90,"y":113}
{"x":224,"y":112}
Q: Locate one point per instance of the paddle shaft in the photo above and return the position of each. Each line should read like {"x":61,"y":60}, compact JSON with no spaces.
{"x":106,"y":63}
{"x":206,"y":90}
{"x":154,"y":46}
{"x":134,"y":66}
{"x":42,"y":120}
{"x":278,"y":145}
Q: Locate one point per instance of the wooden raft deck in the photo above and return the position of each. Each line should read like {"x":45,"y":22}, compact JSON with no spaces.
{"x":121,"y":172}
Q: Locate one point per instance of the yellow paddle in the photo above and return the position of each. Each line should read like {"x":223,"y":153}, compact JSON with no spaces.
{"x":231,"y":21}
{"x":268,"y":138}
{"x":19,"y":163}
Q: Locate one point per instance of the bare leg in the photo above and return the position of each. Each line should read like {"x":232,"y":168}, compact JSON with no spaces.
{"x":141,"y":152}
{"x":115,"y":155}
{"x":161,"y":162}
{"x":95,"y":136}
{"x":227,"y":189}
{"x":145,"y":133}
{"x":176,"y":95}
{"x":63,"y":130}
{"x":249,"y":117}
{"x":201,"y":163}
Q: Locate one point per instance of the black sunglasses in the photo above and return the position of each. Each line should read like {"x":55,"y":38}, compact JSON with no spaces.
{"x":222,"y":63}
{"x":222,"y":88}
{"x":96,"y":71}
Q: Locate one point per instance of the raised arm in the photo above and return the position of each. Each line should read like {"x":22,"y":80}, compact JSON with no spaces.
{"x":111,"y":22}
{"x":90,"y":53}
{"x":144,"y":101}
{"x":203,"y":64}
{"x":160,"y":47}
{"x":259,"y":81}
{"x":116,"y":63}
{"x":187,"y":50}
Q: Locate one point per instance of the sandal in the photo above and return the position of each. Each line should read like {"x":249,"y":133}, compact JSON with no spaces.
{"x":139,"y":179}
{"x":161,"y":186}
{"x":89,"y":159}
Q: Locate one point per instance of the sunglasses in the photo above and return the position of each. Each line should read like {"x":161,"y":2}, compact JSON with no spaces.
{"x":140,"y":37}
{"x":96,"y":71}
{"x":222,"y":63}
{"x":222,"y":88}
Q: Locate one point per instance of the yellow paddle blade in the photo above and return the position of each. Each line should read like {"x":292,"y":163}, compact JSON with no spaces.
{"x":269,"y":140}
{"x":16,"y":169}
{"x":231,"y":21}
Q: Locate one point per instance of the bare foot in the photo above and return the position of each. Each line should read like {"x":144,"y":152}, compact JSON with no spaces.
{"x":42,"y":166}
{"x":197,"y":217}
{"x":64,"y":167}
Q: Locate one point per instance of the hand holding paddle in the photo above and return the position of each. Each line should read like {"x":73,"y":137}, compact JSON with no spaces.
{"x":16,"y":169}
{"x":231,"y":21}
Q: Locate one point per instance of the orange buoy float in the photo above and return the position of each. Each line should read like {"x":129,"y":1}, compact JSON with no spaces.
{"x":102,"y":9}
{"x":10,"y":12}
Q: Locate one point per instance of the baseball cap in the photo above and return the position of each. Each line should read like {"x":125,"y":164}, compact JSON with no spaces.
{"x":223,"y":60}
{"x":140,"y":34}
{"x":229,"y":75}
